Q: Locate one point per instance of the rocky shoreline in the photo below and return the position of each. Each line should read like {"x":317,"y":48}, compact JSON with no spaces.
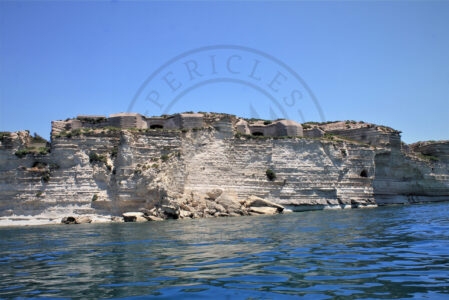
{"x":210,"y":165}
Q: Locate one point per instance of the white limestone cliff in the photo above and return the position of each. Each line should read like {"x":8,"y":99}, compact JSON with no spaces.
{"x":208,"y":172}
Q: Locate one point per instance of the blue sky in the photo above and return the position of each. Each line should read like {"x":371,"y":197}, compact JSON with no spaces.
{"x":384,"y":62}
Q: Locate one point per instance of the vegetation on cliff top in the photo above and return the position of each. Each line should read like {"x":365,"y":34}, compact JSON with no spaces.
{"x":4,"y":134}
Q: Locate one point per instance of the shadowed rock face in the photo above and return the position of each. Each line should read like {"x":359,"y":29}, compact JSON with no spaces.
{"x":212,"y":172}
{"x":439,"y":150}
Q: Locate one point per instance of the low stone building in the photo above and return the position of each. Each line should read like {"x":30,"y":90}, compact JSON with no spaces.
{"x":224,"y":123}
{"x":275,"y":129}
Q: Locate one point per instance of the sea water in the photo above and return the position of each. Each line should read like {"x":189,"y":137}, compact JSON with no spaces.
{"x":385,"y":252}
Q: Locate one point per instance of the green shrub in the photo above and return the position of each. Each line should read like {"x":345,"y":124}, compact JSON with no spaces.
{"x":428,"y":157}
{"x":270,"y":174}
{"x":45,"y":177}
{"x":76,"y":132}
{"x":23,"y":152}
{"x":94,"y":197}
{"x":92,"y":120}
{"x":54,"y":166}
{"x":155,"y":166}
{"x":38,"y":194}
{"x":38,"y":139}
{"x":164,"y":157}
{"x":329,"y":136}
{"x":44,"y":150}
{"x":94,"y":157}
{"x":112,"y":128}
{"x":267,"y":122}
{"x":114,"y":152}
{"x":253,"y":120}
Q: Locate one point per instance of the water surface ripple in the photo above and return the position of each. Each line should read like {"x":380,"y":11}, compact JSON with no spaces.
{"x":387,"y":252}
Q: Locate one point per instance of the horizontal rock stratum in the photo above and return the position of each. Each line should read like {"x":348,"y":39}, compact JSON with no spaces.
{"x":209,"y":165}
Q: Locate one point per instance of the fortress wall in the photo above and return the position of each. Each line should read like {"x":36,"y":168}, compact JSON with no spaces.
{"x":283,"y":129}
{"x":155,"y":121}
{"x":189,"y":121}
{"x":253,"y":129}
{"x":272,"y":130}
{"x":313,"y":132}
{"x":242,"y":127}
{"x":174,"y":122}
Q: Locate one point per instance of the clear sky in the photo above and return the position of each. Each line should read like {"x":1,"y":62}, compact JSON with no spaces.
{"x":385,"y":62}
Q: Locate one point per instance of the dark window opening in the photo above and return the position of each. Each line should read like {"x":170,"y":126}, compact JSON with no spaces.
{"x":364,"y":173}
{"x":156,"y":126}
{"x":258,"y":133}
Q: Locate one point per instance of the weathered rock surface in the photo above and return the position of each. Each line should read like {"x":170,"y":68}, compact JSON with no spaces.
{"x":134,"y":217}
{"x":254,"y":201}
{"x":76,"y":220}
{"x":264,"y":210}
{"x":160,"y":174}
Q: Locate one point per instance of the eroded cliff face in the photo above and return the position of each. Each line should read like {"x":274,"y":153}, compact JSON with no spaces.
{"x":113,"y":171}
{"x":210,"y":172}
{"x":403,"y":177}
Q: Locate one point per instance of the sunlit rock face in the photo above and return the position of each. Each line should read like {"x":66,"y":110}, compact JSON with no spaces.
{"x":213,"y":170}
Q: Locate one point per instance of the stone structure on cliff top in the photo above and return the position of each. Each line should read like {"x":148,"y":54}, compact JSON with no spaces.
{"x":181,"y":121}
{"x":207,"y":164}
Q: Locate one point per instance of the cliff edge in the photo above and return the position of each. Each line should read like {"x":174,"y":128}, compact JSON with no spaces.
{"x":208,"y":165}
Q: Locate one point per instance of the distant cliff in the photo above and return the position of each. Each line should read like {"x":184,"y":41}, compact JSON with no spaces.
{"x":218,"y":169}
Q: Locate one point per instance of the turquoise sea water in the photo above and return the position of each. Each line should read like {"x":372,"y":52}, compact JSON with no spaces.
{"x":386,"y":252}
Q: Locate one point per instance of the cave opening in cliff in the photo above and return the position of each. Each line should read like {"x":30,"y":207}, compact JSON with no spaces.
{"x":156,"y":126}
{"x":364,"y":173}
{"x":257,"y":133}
